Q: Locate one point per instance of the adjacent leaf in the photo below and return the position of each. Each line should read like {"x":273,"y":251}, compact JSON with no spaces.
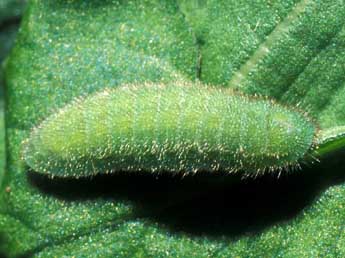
{"x":291,"y":51}
{"x":9,"y":23}
{"x":11,"y":10}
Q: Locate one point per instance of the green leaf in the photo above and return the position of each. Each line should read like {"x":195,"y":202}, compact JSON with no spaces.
{"x":9,"y":23}
{"x":291,"y":51}
{"x":11,"y":10}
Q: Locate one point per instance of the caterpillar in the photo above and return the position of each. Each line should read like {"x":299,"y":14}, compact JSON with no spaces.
{"x":172,"y":128}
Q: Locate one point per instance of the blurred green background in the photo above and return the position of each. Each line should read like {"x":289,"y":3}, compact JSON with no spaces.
{"x":10,"y":14}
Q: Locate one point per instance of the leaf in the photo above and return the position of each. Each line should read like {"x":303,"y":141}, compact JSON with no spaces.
{"x":291,"y":51}
{"x":9,"y":23}
{"x":11,"y":10}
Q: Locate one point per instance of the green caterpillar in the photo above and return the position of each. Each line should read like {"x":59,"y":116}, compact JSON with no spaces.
{"x":179,"y":127}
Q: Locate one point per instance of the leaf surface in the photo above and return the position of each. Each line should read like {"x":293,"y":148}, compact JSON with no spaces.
{"x":291,"y":51}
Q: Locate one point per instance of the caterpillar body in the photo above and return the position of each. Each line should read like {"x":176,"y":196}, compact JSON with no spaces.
{"x":179,"y":127}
